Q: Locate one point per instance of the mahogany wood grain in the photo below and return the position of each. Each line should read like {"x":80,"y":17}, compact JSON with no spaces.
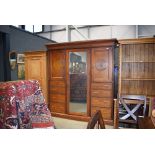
{"x":99,"y":82}
{"x":58,"y":98}
{"x":102,"y":93}
{"x":102,"y":56}
{"x":57,"y":107}
{"x":136,"y":68}
{"x":58,"y":61}
{"x":106,"y":112}
{"x":102,"y":81}
{"x":57,"y":90}
{"x":102,"y":86}
{"x":102,"y":102}
{"x":57,"y":81}
{"x":82,"y":44}
{"x":70,"y":116}
{"x":137,"y":41}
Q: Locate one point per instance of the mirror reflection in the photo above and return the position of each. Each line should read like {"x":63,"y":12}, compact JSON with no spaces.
{"x":78,"y":82}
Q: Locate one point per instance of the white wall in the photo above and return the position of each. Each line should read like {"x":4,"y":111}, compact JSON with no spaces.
{"x":101,"y":32}
{"x":146,"y":30}
{"x":47,"y":27}
{"x":46,"y":35}
{"x":59,"y":36}
{"x":57,"y":27}
{"x":124,"y":31}
{"x":75,"y":36}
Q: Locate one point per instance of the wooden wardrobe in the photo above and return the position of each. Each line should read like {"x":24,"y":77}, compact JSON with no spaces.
{"x":36,"y":68}
{"x":81,"y":79}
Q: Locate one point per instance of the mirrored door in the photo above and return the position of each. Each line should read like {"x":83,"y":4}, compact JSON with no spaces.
{"x":78,"y":82}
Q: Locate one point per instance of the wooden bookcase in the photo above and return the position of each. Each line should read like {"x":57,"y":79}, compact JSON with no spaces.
{"x":137,"y":67}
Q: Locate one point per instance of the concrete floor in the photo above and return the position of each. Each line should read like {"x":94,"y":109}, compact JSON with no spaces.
{"x":62,"y":123}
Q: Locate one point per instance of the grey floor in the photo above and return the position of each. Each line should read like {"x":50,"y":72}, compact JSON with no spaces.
{"x":62,"y":123}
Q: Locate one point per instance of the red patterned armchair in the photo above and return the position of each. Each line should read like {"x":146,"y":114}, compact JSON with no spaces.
{"x":153,"y":110}
{"x":22,"y":106}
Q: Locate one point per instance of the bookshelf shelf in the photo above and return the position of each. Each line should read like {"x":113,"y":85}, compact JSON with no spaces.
{"x":137,"y":67}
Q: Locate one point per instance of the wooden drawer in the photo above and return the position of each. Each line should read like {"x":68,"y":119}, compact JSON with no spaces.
{"x":57,"y":83}
{"x":101,"y":102}
{"x":58,"y":98}
{"x":102,"y":93}
{"x":106,"y":112}
{"x":57,"y":107}
{"x":104,"y":86}
{"x":57,"y":90}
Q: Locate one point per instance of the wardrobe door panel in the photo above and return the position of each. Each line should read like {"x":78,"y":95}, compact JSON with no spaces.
{"x":57,"y":98}
{"x":102,"y":64}
{"x":102,"y":93}
{"x":58,"y":61}
{"x":57,"y":107}
{"x":102,"y":81}
{"x":59,"y":90}
{"x":57,"y":83}
{"x":102,"y":102}
{"x":102,"y":86}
